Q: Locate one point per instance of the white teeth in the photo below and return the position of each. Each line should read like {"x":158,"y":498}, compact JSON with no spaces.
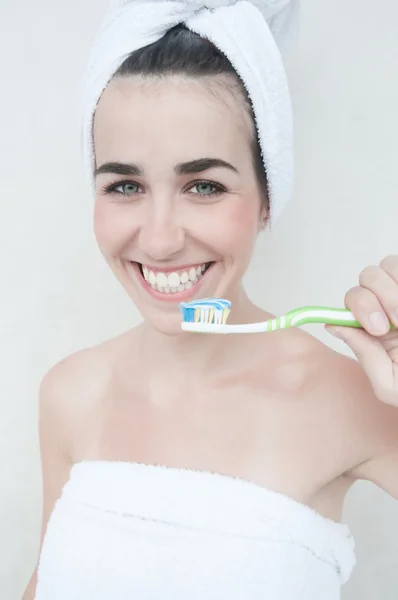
{"x":173,"y":280}
{"x":161,"y":279}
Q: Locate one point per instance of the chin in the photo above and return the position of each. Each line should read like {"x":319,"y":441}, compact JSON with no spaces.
{"x":166,"y":324}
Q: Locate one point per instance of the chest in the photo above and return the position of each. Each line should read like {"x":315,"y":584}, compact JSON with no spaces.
{"x":271,"y":437}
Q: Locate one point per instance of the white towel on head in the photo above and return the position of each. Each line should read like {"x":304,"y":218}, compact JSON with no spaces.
{"x":251,"y":33}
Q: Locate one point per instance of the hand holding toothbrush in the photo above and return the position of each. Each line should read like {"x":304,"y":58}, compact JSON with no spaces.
{"x":374,"y":303}
{"x":368,"y":324}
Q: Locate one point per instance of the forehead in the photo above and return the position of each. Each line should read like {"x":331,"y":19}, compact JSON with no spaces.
{"x":137,"y":115}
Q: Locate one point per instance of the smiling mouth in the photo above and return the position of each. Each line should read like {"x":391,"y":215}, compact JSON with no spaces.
{"x":174,"y":282}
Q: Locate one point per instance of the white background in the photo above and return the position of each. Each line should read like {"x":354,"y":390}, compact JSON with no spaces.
{"x":56,"y":293}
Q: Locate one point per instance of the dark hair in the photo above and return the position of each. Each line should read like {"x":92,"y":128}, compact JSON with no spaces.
{"x":183,"y":52}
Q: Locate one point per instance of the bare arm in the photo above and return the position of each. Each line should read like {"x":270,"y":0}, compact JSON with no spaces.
{"x":55,"y":462}
{"x":382,"y":471}
{"x":373,"y":425}
{"x":381,"y":465}
{"x":379,"y":435}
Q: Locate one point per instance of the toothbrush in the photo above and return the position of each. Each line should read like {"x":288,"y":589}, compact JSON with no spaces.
{"x":209,"y":315}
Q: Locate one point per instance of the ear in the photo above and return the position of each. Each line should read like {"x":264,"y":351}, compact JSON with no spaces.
{"x":263,"y":219}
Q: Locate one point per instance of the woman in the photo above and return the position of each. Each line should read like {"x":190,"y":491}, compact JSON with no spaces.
{"x":178,"y":465}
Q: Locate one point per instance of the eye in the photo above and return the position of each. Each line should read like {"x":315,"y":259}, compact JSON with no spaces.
{"x":124,"y":188}
{"x":207,"y":188}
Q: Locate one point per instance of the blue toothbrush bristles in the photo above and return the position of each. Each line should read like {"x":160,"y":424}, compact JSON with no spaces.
{"x":206,"y":310}
{"x":188,"y":312}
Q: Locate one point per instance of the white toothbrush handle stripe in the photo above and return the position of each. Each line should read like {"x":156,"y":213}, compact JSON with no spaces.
{"x":322,"y":314}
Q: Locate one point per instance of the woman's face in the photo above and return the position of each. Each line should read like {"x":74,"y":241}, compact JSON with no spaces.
{"x":177,"y":201}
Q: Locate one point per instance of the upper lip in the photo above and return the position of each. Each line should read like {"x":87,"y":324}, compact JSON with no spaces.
{"x":165,"y":269}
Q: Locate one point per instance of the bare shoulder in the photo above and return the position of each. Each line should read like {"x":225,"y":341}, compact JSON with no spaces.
{"x":77,"y":381}
{"x":290,"y":358}
{"x":68,"y":389}
{"x":332,"y":390}
{"x":366,"y":427}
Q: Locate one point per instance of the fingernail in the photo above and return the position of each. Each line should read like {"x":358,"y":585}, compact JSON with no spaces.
{"x":378,"y":322}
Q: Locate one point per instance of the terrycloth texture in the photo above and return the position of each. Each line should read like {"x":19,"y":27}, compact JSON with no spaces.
{"x":124,"y":531}
{"x":252,"y":34}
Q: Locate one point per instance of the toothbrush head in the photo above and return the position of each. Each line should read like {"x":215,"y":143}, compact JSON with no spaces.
{"x":206,"y":310}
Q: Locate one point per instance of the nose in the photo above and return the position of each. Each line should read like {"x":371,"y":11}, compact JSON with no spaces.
{"x":161,"y":236}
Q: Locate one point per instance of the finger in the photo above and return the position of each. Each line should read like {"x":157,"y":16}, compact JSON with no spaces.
{"x":390,"y":266}
{"x":373,"y":359}
{"x":367,"y":309}
{"x":379,"y":281}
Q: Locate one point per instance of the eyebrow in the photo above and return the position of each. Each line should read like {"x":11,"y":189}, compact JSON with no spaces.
{"x":187,"y":168}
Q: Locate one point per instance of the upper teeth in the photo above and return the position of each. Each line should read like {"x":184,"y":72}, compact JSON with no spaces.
{"x":173,"y":282}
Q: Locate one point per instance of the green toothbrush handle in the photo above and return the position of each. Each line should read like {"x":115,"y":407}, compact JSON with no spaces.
{"x":324,"y":314}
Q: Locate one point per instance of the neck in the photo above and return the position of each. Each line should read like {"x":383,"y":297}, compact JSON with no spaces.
{"x":187,"y":352}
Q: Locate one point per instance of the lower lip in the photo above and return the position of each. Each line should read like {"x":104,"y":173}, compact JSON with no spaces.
{"x":184,"y":296}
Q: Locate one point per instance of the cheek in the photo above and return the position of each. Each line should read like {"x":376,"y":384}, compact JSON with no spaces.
{"x":232,"y":227}
{"x":112,"y":227}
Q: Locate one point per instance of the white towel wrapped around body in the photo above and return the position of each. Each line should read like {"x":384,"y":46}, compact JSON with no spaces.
{"x":124,"y":531}
{"x":253,"y":34}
